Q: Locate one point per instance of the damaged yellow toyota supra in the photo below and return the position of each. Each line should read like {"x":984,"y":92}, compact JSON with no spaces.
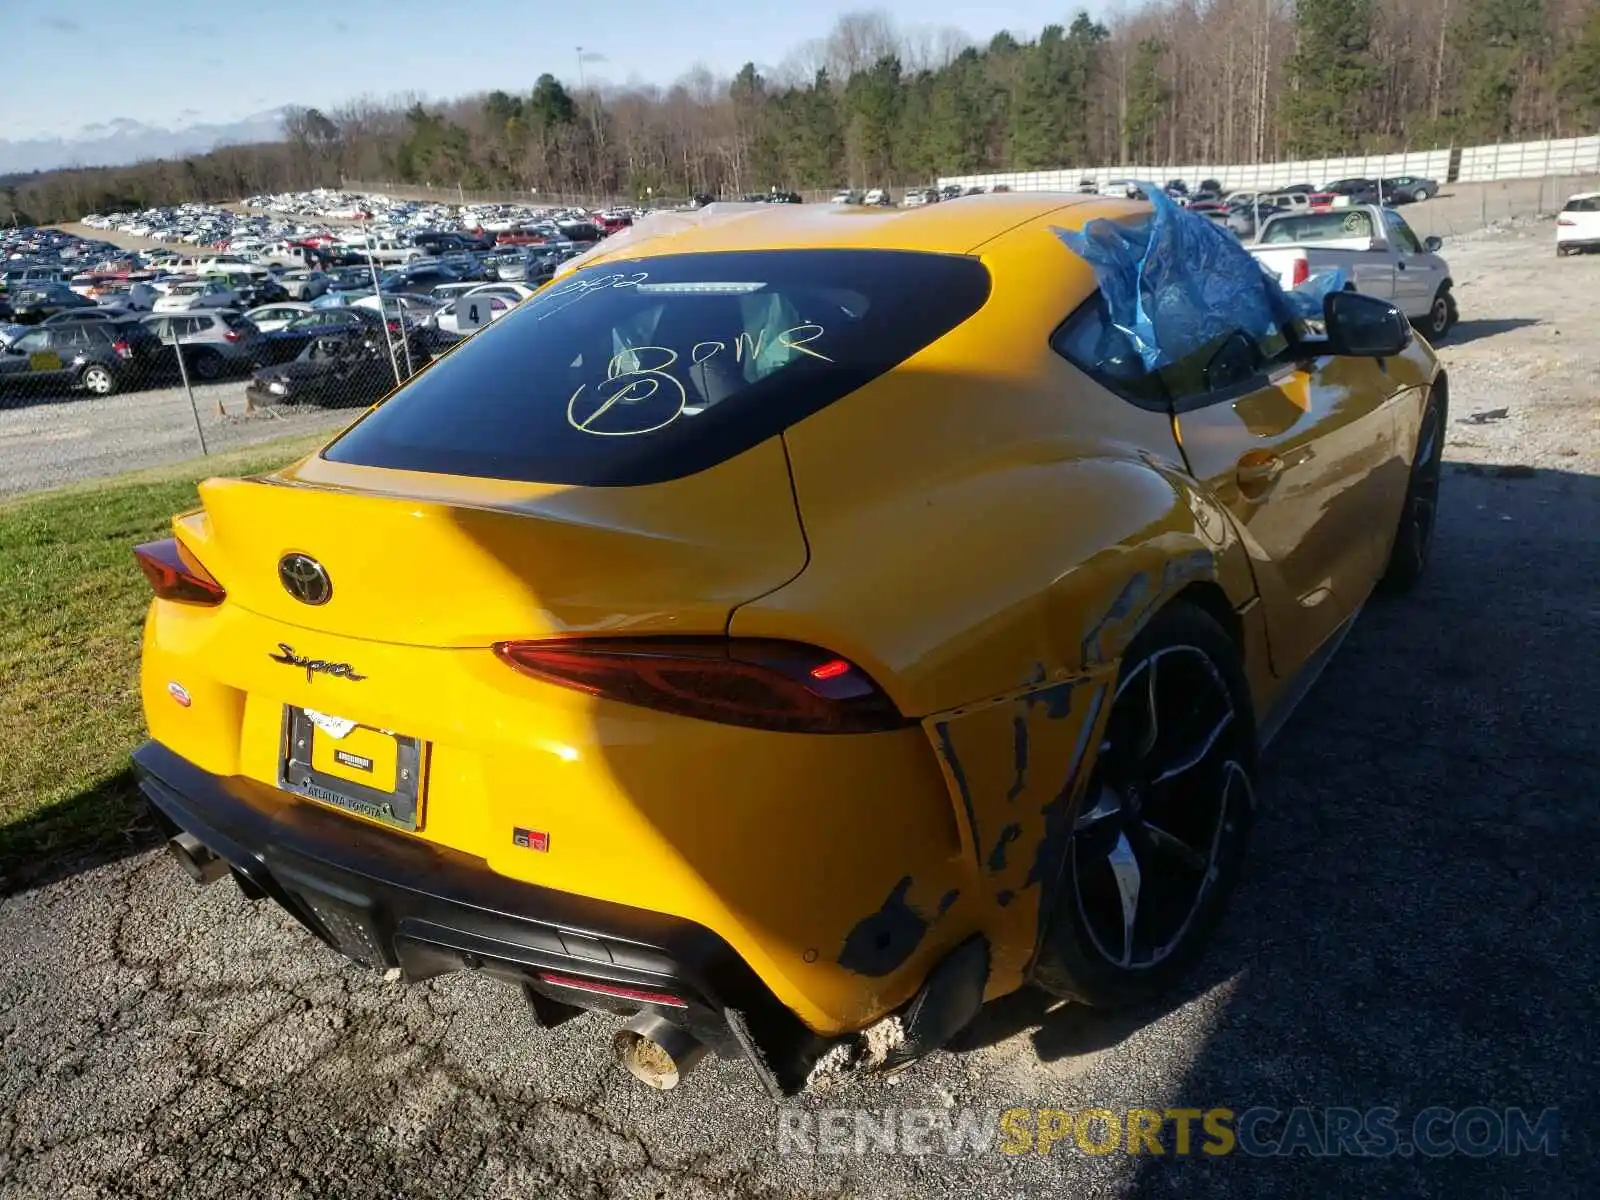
{"x":791,"y":630}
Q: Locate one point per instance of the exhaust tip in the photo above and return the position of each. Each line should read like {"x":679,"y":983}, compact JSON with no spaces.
{"x":197,"y":862}
{"x":656,"y":1052}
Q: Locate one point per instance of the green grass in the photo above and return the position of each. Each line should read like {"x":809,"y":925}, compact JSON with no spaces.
{"x":72,"y":602}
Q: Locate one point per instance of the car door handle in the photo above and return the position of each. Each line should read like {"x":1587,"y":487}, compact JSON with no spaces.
{"x":1258,"y":471}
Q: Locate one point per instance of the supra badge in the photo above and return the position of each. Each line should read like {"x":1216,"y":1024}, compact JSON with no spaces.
{"x":304,"y":578}
{"x":313,"y":666}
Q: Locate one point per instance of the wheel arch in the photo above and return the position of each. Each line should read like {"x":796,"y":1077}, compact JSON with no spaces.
{"x":1015,"y":758}
{"x":1209,"y":598}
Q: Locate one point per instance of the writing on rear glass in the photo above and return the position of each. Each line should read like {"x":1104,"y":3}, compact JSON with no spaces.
{"x":642,"y":392}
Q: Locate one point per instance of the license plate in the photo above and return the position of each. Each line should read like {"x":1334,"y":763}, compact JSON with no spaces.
{"x":373,"y":773}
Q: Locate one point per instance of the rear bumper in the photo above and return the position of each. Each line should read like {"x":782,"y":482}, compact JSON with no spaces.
{"x":389,"y":900}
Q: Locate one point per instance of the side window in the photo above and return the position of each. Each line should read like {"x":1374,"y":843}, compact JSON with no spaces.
{"x":1400,"y":233}
{"x":32,"y":343}
{"x":1089,"y":341}
{"x":1107,"y":354}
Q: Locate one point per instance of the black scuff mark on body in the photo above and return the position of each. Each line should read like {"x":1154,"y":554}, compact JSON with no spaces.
{"x":1019,"y":754}
{"x":1134,"y":593}
{"x":997,"y":856}
{"x":947,"y":751}
{"x":1004,"y":897}
{"x":882,"y":942}
{"x":1057,"y":700}
{"x":1136,"y":600}
{"x":948,"y":899}
{"x":1049,"y":861}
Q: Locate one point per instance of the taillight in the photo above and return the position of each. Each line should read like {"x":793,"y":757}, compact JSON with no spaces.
{"x":175,"y":574}
{"x":781,"y":686}
{"x":1564,"y":221}
{"x":122,"y":349}
{"x":394,"y":326}
{"x":230,"y":335}
{"x":1300,"y":272}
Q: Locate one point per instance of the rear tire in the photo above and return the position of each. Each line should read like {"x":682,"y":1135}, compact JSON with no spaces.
{"x":1442,"y":315}
{"x":1158,"y":840}
{"x":97,"y":380}
{"x":1419,"y":195}
{"x":208,"y":366}
{"x":1413,"y":538}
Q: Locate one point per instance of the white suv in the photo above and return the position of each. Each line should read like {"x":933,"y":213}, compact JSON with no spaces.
{"x":1578,"y":226}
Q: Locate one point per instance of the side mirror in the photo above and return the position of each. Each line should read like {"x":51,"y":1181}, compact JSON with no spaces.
{"x":1361,"y":326}
{"x":1433,"y":244}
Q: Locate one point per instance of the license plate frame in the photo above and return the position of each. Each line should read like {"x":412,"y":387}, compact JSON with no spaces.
{"x":399,"y":809}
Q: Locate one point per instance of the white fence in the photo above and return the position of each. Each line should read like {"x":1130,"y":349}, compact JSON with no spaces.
{"x":1531,"y":160}
{"x":1477,"y":164}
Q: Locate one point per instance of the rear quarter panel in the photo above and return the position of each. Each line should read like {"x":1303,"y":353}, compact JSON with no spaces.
{"x":988,"y":529}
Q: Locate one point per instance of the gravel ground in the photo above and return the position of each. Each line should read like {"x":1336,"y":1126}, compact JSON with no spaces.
{"x":49,"y":441}
{"x":1419,"y":926}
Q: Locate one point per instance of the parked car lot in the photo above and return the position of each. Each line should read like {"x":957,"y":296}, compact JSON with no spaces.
{"x":204,"y":303}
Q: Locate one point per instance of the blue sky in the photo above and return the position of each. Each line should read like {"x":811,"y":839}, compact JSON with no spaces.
{"x":182,"y":62}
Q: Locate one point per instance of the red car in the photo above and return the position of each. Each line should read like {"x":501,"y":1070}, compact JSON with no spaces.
{"x":521,"y":237}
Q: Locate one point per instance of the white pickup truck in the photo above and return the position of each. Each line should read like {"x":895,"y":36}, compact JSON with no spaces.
{"x":1378,"y":252}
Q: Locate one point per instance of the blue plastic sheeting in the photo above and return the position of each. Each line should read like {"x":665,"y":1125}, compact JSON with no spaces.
{"x":1178,"y":282}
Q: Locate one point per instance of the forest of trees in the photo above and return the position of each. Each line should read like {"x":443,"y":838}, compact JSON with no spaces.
{"x":1211,"y":81}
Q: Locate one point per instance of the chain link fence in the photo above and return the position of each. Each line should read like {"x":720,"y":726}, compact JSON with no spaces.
{"x":85,"y":396}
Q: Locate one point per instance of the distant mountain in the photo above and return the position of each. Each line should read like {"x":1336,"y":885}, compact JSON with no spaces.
{"x":121,"y":141}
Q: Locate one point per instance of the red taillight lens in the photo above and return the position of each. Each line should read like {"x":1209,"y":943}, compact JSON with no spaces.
{"x":394,"y":326}
{"x":122,"y":349}
{"x":1564,"y":221}
{"x":231,"y":335}
{"x":175,"y":574}
{"x":1300,"y":272}
{"x":785,"y":687}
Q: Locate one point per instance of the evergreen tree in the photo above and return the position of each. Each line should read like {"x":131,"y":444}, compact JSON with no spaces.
{"x":1331,"y":76}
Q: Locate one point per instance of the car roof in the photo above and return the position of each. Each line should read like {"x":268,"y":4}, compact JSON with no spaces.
{"x":937,"y":228}
{"x":1583,"y":196}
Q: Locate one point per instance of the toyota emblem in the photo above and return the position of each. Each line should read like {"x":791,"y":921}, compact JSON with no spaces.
{"x":304,"y":578}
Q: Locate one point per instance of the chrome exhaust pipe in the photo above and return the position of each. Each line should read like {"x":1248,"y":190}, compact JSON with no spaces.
{"x":656,"y":1052}
{"x":197,"y":862}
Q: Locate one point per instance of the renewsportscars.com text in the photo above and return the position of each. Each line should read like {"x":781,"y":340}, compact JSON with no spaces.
{"x":1332,"y":1132}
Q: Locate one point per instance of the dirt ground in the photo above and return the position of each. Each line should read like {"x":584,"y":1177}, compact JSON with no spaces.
{"x":1420,"y":924}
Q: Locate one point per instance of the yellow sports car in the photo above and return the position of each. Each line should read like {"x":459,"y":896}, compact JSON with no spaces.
{"x":789,"y":632}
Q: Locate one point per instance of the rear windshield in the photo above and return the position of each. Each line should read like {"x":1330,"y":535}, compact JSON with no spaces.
{"x":641,"y":371}
{"x":1319,"y":227}
{"x":1583,"y":204}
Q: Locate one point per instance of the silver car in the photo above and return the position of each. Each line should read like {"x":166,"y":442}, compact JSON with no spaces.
{"x":305,"y":285}
{"x":214,"y":341}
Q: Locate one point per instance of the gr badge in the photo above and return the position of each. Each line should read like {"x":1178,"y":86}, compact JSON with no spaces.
{"x":531,"y":839}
